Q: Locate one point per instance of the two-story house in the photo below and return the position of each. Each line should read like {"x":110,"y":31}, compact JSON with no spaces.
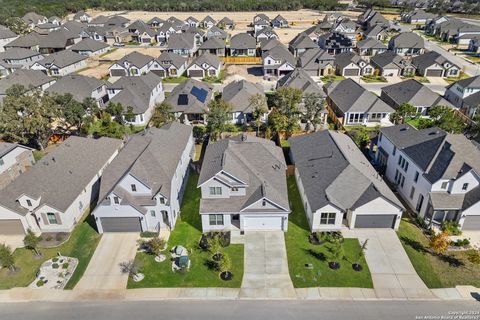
{"x":60,"y":63}
{"x":142,"y":189}
{"x":81,"y":88}
{"x":465,"y":94}
{"x":244,"y":186}
{"x":278,"y":61}
{"x":133,"y":64}
{"x":436,"y":173}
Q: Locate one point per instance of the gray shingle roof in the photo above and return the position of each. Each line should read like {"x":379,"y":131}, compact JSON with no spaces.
{"x":183,"y":97}
{"x":299,"y":79}
{"x":61,"y":59}
{"x":407,"y":40}
{"x":280,"y":53}
{"x":57,"y":39}
{"x":166,"y":59}
{"x":387,"y":58}
{"x":207,"y":59}
{"x":26,"y":77}
{"x":137,"y":59}
{"x":302,"y":41}
{"x":472,"y":82}
{"x":213,"y":43}
{"x":6,"y":33}
{"x":62,"y":175}
{"x":427,"y":59}
{"x":243,"y":41}
{"x":238,"y":94}
{"x":181,"y":41}
{"x":314,"y":59}
{"x":344,"y":59}
{"x":26,"y":41}
{"x":6,"y":147}
{"x":258,"y":162}
{"x":80,"y":87}
{"x":88,"y":44}
{"x":370,"y":43}
{"x":18,"y":54}
{"x":334,"y":171}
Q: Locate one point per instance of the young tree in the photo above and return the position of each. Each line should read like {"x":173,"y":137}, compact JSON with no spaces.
{"x":446,"y":119}
{"x":225,"y":265}
{"x":361,"y":253}
{"x":258,"y":103}
{"x":7,"y":259}
{"x":17,"y":25}
{"x":337,"y":254}
{"x":75,"y":116}
{"x":215,"y":247}
{"x":439,"y":243}
{"x":131,"y":267}
{"x":314,"y":105}
{"x":403,"y":112}
{"x":31,"y":241}
{"x":107,"y":127}
{"x":218,"y":116}
{"x":285,"y":101}
{"x":156,"y":245}
{"x":162,"y":115}
{"x":26,"y":116}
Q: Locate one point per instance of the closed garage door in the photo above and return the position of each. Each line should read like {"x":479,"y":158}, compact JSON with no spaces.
{"x":263,"y":223}
{"x":160,"y":73}
{"x":121,"y":224}
{"x":11,"y":227}
{"x":351,"y":72}
{"x":117,"y":72}
{"x":195,"y":73}
{"x":471,"y":223}
{"x":375,"y":221}
{"x":434,"y":73}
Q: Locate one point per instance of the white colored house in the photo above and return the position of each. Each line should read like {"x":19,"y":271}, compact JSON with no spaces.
{"x":61,"y":63}
{"x":14,"y":160}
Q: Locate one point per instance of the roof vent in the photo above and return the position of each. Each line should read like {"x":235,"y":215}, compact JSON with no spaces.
{"x":404,"y":128}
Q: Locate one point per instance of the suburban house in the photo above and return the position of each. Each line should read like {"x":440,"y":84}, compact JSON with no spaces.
{"x":244,"y":186}
{"x":376,"y":32}
{"x":81,"y":88}
{"x":266,"y":34}
{"x":370,"y":47}
{"x":351,"y":104}
{"x":436,"y":173}
{"x":30,"y":79}
{"x":6,"y":36}
{"x":238,"y":94}
{"x":417,"y":16}
{"x":60,"y":63}
{"x":226,"y":23}
{"x":260,"y":25}
{"x":338,"y":185}
{"x":90,"y":47}
{"x":215,"y":46}
{"x":29,"y":41}
{"x":198,"y":34}
{"x":141,"y":94}
{"x":412,"y":92}
{"x":33,"y":19}
{"x":407,"y":44}
{"x":15,"y":159}
{"x":205,"y":66}
{"x":278,"y":61}
{"x":133,"y":64}
{"x":56,"y":41}
{"x":300,"y":44}
{"x":19,"y":58}
{"x":82,"y":16}
{"x":142,"y":33}
{"x":165,"y":31}
{"x":335,"y":43}
{"x":169,"y":64}
{"x":261,"y":16}
{"x":190,"y":100}
{"x":317,"y":62}
{"x":183,"y":44}
{"x":465,"y":94}
{"x":55,"y":193}
{"x":207,"y":22}
{"x":155,"y":23}
{"x":433,"y":64}
{"x":346,"y":27}
{"x":319,"y":29}
{"x":142,"y":189}
{"x":279,"y":22}
{"x":351,"y":64}
{"x":390,"y":64}
{"x":242,"y":45}
{"x":192,"y":21}
{"x":46,"y":28}
{"x":216,"y":32}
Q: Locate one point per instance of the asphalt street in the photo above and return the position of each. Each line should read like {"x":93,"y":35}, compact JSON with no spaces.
{"x":251,"y":310}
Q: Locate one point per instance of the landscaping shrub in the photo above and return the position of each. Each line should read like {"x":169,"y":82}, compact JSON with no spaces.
{"x":55,"y":259}
{"x":452,"y":228}
{"x":223,"y":238}
{"x":65,"y":265}
{"x":48,"y":238}
{"x":148,"y":234}
{"x":59,"y":237}
{"x":421,"y":223}
{"x":55,"y":266}
{"x":40,"y":283}
{"x":460,"y":243}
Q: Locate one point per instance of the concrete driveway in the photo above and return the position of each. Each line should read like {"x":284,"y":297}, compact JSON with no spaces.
{"x":13,"y":241}
{"x":103,"y":271}
{"x":392,"y":272}
{"x":266,"y":267}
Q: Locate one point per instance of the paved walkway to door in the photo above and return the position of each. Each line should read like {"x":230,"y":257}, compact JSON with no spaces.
{"x":392,"y":272}
{"x":266,"y":268}
{"x":103,"y":271}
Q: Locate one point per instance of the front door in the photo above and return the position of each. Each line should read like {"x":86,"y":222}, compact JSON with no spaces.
{"x":419,"y":203}
{"x":165,"y":218}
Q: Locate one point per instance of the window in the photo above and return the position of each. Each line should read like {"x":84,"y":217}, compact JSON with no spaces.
{"x":173,"y":72}
{"x":216,"y":219}
{"x":403,"y":163}
{"x":416,"y":176}
{"x":465,"y":186}
{"x":29,"y":203}
{"x":394,"y":150}
{"x":162,"y":200}
{"x":264,"y":203}
{"x":152,"y":213}
{"x":215,"y":191}
{"x":412,"y":192}
{"x":234,"y":189}
{"x":327,"y":218}
{"x":52,"y":219}
{"x":1,"y":162}
{"x":80,"y":205}
{"x":134,"y":187}
{"x":444,"y":185}
{"x":116,"y":200}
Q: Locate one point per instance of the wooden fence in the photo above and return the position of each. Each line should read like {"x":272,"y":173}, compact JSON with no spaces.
{"x":242,"y":60}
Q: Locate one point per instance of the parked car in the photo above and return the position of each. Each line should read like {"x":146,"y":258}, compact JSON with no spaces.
{"x":118,"y":44}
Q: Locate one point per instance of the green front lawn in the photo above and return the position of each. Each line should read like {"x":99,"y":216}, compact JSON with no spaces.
{"x":187,"y":233}
{"x":446,"y":271}
{"x":174,"y":80}
{"x":374,"y":79}
{"x":328,"y":79}
{"x":301,"y":252}
{"x":81,"y":245}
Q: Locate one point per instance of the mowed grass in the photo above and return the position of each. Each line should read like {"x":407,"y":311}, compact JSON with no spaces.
{"x":445,"y":271}
{"x":187,"y":233}
{"x":81,"y":245}
{"x":301,"y":252}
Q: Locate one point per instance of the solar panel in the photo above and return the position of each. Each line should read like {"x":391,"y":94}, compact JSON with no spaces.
{"x":182,"y":99}
{"x":200,"y":94}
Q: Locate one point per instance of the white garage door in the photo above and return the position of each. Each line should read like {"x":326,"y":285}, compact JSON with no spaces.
{"x":263,"y":223}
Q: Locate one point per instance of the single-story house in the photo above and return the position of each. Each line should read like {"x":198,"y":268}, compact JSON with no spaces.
{"x":243,"y":44}
{"x":205,"y":66}
{"x":350,"y":64}
{"x":390,"y":64}
{"x":239,"y":94}
{"x":317,"y":62}
{"x":81,"y":88}
{"x":90,"y":47}
{"x":433,"y":64}
{"x":169,"y":64}
{"x":133,"y":64}
{"x":60,"y":63}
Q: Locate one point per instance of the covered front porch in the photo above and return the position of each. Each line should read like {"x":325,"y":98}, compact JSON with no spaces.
{"x":443,"y":207}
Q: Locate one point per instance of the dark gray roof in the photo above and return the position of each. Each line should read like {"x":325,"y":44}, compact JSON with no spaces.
{"x":18,"y":54}
{"x":387,"y":58}
{"x":374,"y":31}
{"x":61,"y":59}
{"x":334,"y":40}
{"x":238,"y":94}
{"x":345,"y":58}
{"x":88,"y":44}
{"x":26,"y":77}
{"x":280,"y":53}
{"x":255,"y":161}
{"x":166,"y":59}
{"x":136,"y":92}
{"x":427,"y":59}
{"x":314,"y":59}
{"x":207,"y":59}
{"x":349,"y":96}
{"x":472,"y":82}
{"x":371,"y":43}
{"x":62,"y":175}
{"x":299,"y":79}
{"x":407,"y":40}
{"x":181,"y":41}
{"x":243,"y":41}
{"x":80,"y":87}
{"x":6,"y":147}
{"x":190,"y":96}
{"x":6,"y":33}
{"x":57,"y":39}
{"x":302,"y":41}
{"x":143,"y":157}
{"x":29,"y":40}
{"x":135,"y":58}
{"x":213,"y":43}
{"x":334,"y":171}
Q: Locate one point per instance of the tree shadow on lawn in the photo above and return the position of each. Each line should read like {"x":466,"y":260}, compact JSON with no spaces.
{"x":318,"y":255}
{"x":451,"y":260}
{"x":415,"y":245}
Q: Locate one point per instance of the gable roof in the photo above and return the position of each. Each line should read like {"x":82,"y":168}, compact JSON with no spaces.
{"x":238,"y":94}
{"x":327,"y":162}
{"x":190,"y":96}
{"x":370,"y":43}
{"x":184,"y":40}
{"x":302,"y":41}
{"x":89,"y":44}
{"x":407,"y":40}
{"x":61,"y":59}
{"x":213,"y":43}
{"x":206,"y":58}
{"x":313,"y":59}
{"x":6,"y":33}
{"x":281,"y":54}
{"x":243,"y":41}
{"x":166,"y":59}
{"x":299,"y":79}
{"x":80,"y":87}
{"x":26,"y":77}
{"x":427,"y":59}
{"x":345,"y":58}
{"x":388,"y":58}
{"x":471,"y":82}
{"x":135,"y":58}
